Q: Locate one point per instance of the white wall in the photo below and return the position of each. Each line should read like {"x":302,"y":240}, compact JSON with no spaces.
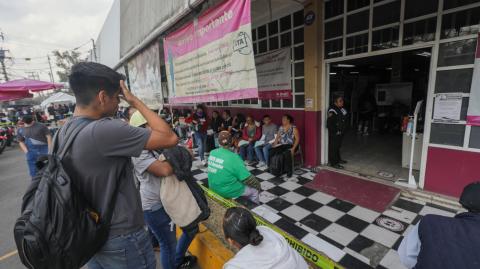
{"x":108,"y":41}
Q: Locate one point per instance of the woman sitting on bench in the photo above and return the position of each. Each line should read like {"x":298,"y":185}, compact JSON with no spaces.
{"x":287,"y":141}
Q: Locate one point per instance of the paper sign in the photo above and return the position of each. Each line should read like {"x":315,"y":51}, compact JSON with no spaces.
{"x":447,"y":107}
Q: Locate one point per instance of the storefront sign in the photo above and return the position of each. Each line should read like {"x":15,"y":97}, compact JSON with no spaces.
{"x":144,"y":76}
{"x":273,"y":74}
{"x":473,"y":113}
{"x":211,"y":58}
{"x":447,"y":107}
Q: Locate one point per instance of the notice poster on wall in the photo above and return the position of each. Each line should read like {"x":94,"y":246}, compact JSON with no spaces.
{"x":473,"y":113}
{"x":273,"y":75}
{"x":447,"y":107}
{"x":211,"y":58}
{"x":144,"y":76}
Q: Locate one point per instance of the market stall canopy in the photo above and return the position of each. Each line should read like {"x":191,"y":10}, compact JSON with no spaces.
{"x":11,"y":96}
{"x":25,"y":85}
{"x":58,"y":98}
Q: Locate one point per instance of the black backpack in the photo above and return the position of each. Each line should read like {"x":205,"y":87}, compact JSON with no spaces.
{"x":276,"y":164}
{"x":57,"y":228}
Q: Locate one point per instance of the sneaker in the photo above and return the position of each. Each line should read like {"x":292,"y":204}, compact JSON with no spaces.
{"x":261,"y":164}
{"x":343,"y":162}
{"x":204,"y":163}
{"x":188,"y":262}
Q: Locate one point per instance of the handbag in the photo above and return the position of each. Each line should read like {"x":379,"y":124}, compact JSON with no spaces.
{"x":178,"y":201}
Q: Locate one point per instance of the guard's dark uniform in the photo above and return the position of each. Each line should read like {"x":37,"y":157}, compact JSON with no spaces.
{"x":336,"y":124}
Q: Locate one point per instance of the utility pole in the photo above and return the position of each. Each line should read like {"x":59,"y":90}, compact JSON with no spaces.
{"x":94,"y":50}
{"x":2,"y":62}
{"x":51,"y":72}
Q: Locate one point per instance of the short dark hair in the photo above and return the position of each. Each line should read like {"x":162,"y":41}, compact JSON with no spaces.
{"x":27,"y":119}
{"x":88,"y":78}
{"x":227,"y":112}
{"x":336,"y":97}
{"x":240,"y":226}
{"x":267,"y":116}
{"x":289,"y":117}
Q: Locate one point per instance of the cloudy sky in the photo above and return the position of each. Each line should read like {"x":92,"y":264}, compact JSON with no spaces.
{"x":34,"y":28}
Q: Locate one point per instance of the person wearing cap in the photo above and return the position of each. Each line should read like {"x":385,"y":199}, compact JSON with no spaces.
{"x":34,"y":139}
{"x":227,"y":174}
{"x":150,"y":171}
{"x":444,"y":242}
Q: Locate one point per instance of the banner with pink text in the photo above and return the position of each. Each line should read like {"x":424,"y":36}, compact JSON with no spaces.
{"x":211,"y":58}
{"x":473,"y":113}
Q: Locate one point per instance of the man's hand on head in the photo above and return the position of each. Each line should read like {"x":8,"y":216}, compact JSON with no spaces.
{"x":127,"y":95}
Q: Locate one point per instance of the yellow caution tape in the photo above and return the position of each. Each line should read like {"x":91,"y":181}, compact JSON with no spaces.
{"x":305,"y":251}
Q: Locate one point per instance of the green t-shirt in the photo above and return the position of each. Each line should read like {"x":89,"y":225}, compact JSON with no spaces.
{"x":226,"y":172}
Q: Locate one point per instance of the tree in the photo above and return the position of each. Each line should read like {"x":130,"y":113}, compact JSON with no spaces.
{"x":65,"y":60}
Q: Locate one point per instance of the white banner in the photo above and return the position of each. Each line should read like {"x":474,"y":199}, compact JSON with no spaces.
{"x":144,"y":76}
{"x":211,"y":58}
{"x":274,"y":75}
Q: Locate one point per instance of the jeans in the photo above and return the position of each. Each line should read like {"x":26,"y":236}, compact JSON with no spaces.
{"x":129,"y":251}
{"x":200,"y":139}
{"x":171,"y":253}
{"x":247,"y":150}
{"x":262,"y":152}
{"x":34,"y":151}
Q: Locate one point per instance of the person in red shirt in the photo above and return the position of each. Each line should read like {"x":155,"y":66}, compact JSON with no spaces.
{"x":251,"y":133}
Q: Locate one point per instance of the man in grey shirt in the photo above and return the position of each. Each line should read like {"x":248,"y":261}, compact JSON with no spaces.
{"x":269,"y":129}
{"x":100,"y":165}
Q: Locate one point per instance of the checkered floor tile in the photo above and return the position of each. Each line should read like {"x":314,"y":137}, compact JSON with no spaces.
{"x":354,"y":236}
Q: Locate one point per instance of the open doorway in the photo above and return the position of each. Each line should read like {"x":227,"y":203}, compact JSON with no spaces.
{"x":380,"y":93}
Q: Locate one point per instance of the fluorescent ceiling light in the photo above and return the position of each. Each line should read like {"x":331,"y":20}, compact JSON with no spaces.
{"x":354,"y":72}
{"x":388,"y":68}
{"x":333,"y":73}
{"x":346,"y":65}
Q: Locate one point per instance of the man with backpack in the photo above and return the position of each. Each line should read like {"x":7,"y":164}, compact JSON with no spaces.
{"x":99,"y":161}
{"x":83,"y":206}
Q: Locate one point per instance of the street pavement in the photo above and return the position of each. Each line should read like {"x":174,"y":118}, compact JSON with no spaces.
{"x":14,"y":180}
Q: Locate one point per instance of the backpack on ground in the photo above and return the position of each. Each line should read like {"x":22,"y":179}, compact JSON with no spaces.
{"x":276,"y":164}
{"x":57,"y":228}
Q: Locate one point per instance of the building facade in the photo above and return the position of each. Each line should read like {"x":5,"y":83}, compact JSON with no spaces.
{"x":406,"y":50}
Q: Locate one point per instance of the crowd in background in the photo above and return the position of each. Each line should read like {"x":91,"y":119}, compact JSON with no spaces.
{"x":255,"y":140}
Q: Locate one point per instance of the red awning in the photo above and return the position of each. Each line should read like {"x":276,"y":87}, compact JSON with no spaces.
{"x":11,"y":96}
{"x":26,"y":85}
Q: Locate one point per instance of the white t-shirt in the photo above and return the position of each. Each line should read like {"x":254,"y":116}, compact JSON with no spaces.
{"x":274,"y":252}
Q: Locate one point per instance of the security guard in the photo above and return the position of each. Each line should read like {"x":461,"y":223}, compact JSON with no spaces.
{"x":336,"y":124}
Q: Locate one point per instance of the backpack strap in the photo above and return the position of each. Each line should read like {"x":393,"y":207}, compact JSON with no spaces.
{"x":69,"y":133}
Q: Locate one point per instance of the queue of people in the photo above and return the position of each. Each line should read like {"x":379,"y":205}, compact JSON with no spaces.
{"x":108,"y":154}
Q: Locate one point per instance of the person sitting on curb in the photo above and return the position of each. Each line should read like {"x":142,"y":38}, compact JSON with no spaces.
{"x":259,"y":247}
{"x":227,"y":174}
{"x":444,"y":242}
